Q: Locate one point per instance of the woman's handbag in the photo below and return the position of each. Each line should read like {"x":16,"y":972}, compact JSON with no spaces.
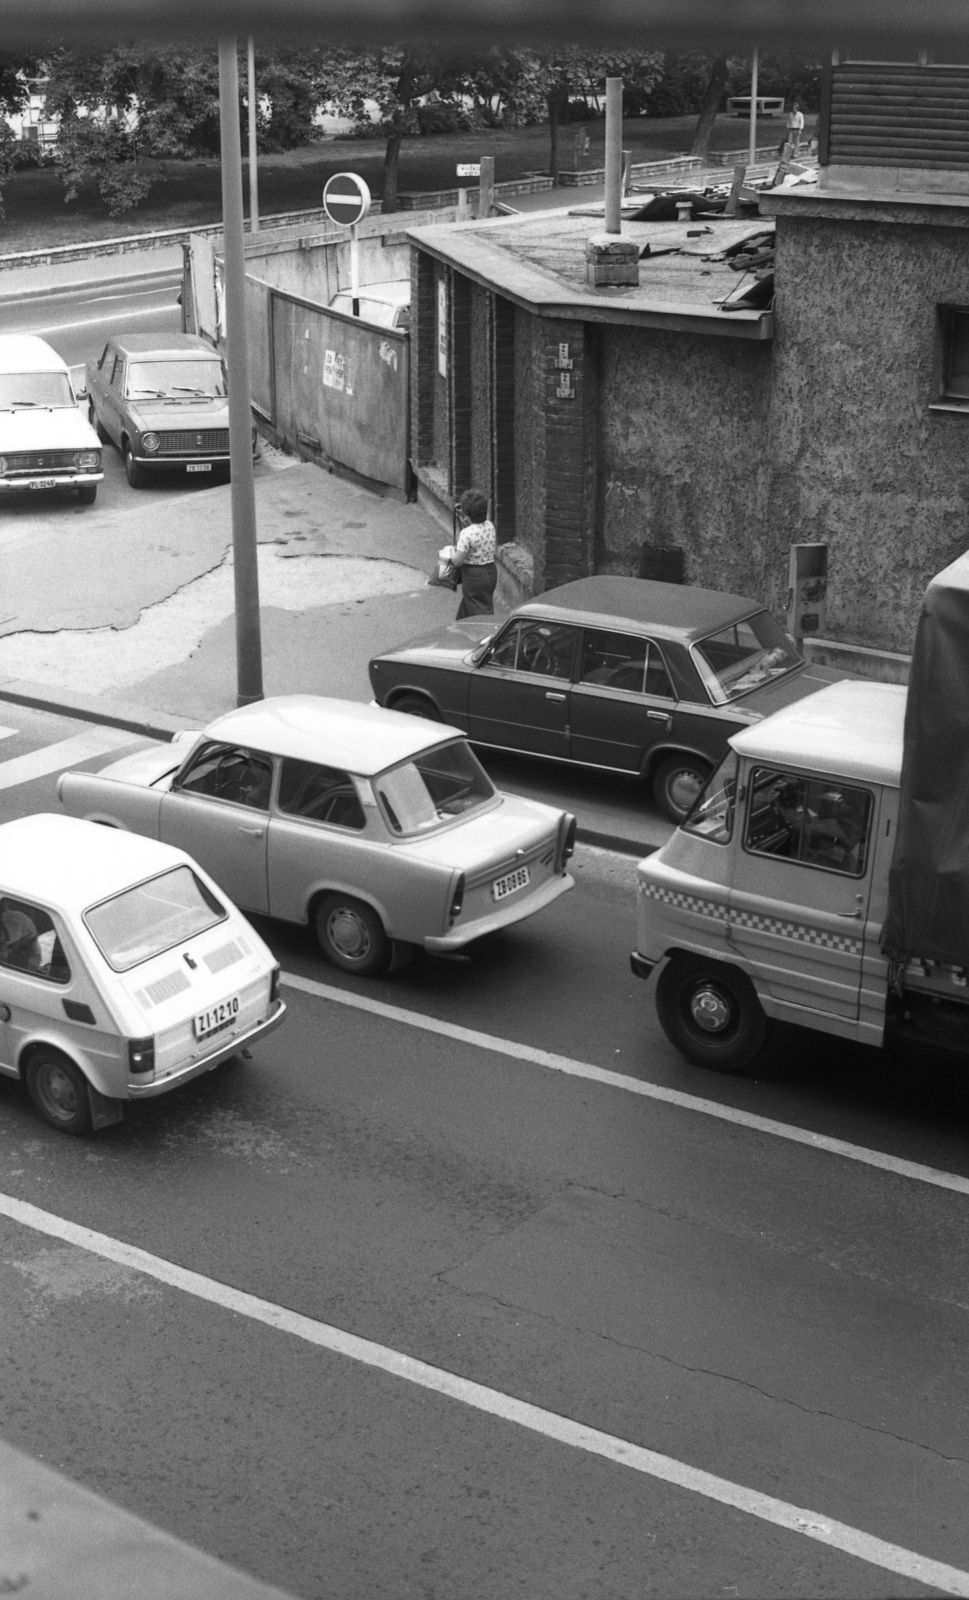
{"x":445,"y":575}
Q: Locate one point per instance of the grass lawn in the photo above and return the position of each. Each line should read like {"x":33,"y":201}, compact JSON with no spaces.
{"x":189,"y":193}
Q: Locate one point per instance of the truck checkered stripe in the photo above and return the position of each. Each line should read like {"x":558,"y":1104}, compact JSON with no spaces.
{"x":824,"y":938}
{"x":686,"y":902}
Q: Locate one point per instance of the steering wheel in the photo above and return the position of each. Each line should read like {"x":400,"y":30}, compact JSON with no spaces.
{"x":537,"y":656}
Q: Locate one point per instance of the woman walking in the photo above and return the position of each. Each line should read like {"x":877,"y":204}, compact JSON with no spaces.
{"x":474,"y":554}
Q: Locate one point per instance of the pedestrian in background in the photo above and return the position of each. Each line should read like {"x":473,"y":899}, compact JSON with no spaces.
{"x":795,"y":127}
{"x":474,"y":555}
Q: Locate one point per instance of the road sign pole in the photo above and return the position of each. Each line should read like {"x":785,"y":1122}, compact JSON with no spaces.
{"x":246,"y":569}
{"x":354,"y":270}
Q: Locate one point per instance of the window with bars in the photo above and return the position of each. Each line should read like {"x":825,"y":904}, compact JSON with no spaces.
{"x":953,"y":389}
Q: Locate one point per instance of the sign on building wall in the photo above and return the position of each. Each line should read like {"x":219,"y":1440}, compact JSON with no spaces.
{"x":442,"y":327}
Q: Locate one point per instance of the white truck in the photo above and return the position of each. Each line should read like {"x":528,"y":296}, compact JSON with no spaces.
{"x":823,"y":876}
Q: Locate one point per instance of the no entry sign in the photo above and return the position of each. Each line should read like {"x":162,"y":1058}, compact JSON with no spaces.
{"x":346,"y":199}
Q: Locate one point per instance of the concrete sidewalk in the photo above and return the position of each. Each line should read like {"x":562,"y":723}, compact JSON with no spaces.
{"x":128,"y":620}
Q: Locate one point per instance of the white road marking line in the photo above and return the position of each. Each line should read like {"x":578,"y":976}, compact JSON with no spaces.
{"x":9,"y":733}
{"x":564,"y":1430}
{"x":650,"y":1091}
{"x":91,"y":322}
{"x":94,"y":741}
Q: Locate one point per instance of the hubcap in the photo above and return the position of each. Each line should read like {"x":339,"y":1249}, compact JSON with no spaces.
{"x":348,"y":934}
{"x":709,"y":1010}
{"x":683,"y":788}
{"x":59,"y":1093}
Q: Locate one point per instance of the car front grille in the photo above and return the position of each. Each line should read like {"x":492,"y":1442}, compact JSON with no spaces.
{"x":191,"y":441}
{"x":41,"y":461}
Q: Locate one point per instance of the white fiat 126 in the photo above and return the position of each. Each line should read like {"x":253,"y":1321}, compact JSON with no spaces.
{"x":124,"y":971}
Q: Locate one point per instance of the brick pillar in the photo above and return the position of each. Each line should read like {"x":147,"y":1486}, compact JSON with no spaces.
{"x":568,"y":387}
{"x":503,"y":420}
{"x":460,"y":382}
{"x":422,"y":357}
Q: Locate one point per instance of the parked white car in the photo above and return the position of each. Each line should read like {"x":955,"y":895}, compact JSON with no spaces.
{"x":46,"y":441}
{"x":381,"y":831}
{"x":124,"y":971}
{"x":387,"y":304}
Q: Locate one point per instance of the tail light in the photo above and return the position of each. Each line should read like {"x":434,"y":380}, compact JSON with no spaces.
{"x":141,"y":1058}
{"x":274,"y":987}
{"x":566,"y":841}
{"x":457,"y":901}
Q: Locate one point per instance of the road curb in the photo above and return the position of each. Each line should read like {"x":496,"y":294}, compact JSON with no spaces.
{"x":148,"y":724}
{"x":56,"y":291}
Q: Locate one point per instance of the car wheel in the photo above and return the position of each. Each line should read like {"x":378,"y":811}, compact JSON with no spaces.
{"x":59,"y":1091}
{"x":351,"y":935}
{"x":87,"y":493}
{"x":711,"y":1013}
{"x":414,"y":705}
{"x":134,"y":472}
{"x":677,"y":784}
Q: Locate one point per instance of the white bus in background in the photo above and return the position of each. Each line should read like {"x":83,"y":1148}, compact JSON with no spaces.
{"x":768,"y":105}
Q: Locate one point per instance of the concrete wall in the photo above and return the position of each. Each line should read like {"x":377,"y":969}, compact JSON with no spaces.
{"x":318,"y":271}
{"x":682,"y":436}
{"x":858,"y":458}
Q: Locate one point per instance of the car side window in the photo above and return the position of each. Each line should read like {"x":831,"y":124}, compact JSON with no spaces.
{"x":658,"y":680}
{"x":817,"y":822}
{"x":322,"y":794}
{"x":614,"y":660}
{"x":546,"y":648}
{"x":117,"y":374}
{"x":504,"y":652}
{"x":105,"y":359}
{"x":229,"y":772}
{"x":29,"y":942}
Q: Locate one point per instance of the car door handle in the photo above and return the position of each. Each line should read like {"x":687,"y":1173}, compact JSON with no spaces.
{"x":659,"y":716}
{"x":853,"y":914}
{"x":550,"y":696}
{"x":256,"y":832}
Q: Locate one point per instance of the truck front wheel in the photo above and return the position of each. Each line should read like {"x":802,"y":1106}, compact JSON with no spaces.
{"x":711,"y":1013}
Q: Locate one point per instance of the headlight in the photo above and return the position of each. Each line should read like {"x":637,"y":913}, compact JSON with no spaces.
{"x":88,"y":460}
{"x":3,"y":463}
{"x":150,"y":441}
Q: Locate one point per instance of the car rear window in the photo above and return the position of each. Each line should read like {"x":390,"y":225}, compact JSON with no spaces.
{"x":46,"y":390}
{"x":436,"y":786}
{"x":744,"y":656}
{"x":141,"y":922}
{"x":173,"y":380}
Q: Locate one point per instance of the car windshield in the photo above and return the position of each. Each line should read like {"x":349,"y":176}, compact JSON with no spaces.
{"x":45,"y":390}
{"x":379,"y":311}
{"x":141,"y":922}
{"x":436,"y":786}
{"x":744,"y":656}
{"x":173,"y":380}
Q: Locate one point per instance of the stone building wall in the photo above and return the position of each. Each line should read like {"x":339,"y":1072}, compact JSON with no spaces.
{"x":858,"y":458}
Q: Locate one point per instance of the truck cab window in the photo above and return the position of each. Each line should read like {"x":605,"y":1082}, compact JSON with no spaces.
{"x":817,"y":822}
{"x":712,"y":816}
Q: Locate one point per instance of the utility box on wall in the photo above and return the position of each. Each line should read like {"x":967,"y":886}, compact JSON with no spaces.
{"x":808,"y":592}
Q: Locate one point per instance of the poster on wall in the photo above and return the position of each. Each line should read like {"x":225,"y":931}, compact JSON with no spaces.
{"x":442,"y":327}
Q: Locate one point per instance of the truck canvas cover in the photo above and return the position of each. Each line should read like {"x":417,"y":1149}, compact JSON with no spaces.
{"x":928,"y":886}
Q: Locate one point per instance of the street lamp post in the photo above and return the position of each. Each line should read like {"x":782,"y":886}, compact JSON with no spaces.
{"x":253,"y":152}
{"x":248,"y":639}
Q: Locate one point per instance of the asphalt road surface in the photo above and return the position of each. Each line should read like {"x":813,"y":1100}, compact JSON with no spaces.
{"x":443,"y":1294}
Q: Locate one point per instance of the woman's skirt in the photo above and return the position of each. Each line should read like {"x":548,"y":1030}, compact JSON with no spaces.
{"x":478,"y":585}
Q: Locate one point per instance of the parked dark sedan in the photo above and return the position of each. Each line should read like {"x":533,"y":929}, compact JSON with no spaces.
{"x":617,"y":673}
{"x":162,"y":399}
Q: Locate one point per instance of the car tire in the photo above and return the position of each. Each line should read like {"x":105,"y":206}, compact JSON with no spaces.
{"x":134,"y":472}
{"x":59,"y":1091}
{"x":710,"y":1012}
{"x":87,"y":493}
{"x":415,"y":705}
{"x":351,"y":935}
{"x":677,"y":783}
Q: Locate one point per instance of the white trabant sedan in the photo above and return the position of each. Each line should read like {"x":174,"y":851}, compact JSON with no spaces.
{"x":380,"y":830}
{"x":124,"y":971}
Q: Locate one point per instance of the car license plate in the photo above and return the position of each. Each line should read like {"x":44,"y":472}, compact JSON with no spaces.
{"x":42,"y":483}
{"x":220,"y":1016}
{"x":512,"y":881}
{"x":199,"y":466}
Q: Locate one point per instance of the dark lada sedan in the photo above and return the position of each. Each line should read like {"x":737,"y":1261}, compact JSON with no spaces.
{"x":617,"y":673}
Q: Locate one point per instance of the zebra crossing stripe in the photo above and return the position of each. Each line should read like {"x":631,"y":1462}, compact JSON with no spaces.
{"x":94,"y":741}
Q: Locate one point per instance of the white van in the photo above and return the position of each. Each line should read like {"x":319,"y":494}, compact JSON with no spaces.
{"x":46,"y":440}
{"x":124,"y":971}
